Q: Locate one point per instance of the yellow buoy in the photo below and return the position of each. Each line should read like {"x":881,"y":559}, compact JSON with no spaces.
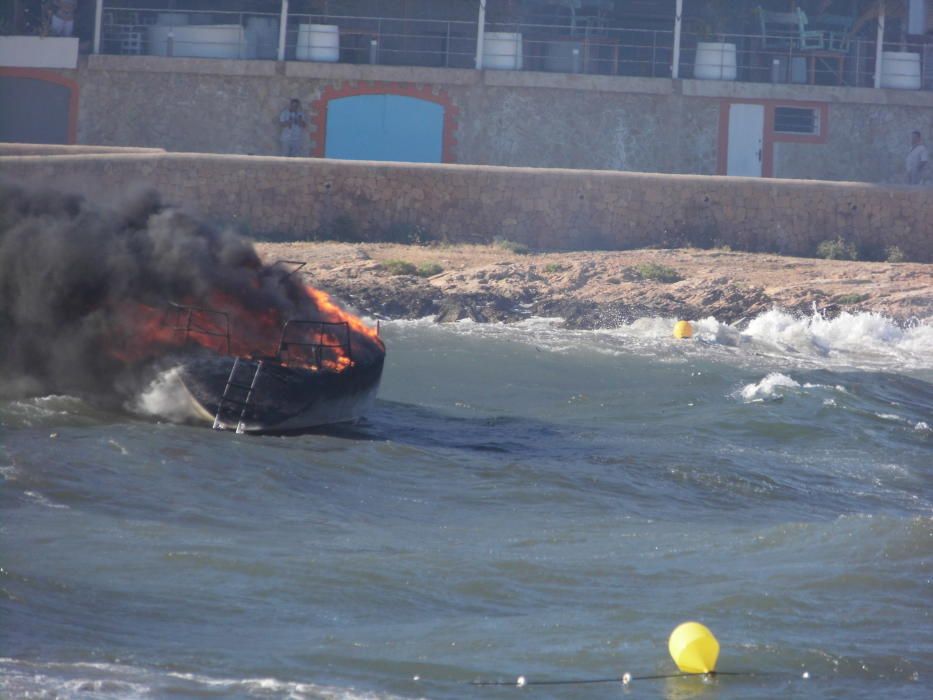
{"x":694,"y":648}
{"x":683,"y":329}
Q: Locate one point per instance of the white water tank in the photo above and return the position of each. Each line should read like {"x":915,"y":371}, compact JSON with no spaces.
{"x":715,"y":61}
{"x":318,"y":42}
{"x":502,"y":51}
{"x":900,"y":69}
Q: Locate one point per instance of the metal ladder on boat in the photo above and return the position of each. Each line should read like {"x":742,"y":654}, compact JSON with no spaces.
{"x":249,"y":386}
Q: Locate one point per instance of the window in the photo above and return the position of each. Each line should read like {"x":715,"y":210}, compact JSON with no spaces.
{"x":797,"y":120}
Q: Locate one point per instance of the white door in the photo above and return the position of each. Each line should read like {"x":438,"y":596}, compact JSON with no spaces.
{"x":746,"y":137}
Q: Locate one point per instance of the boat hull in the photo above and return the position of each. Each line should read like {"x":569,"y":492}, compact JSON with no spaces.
{"x":283,"y":399}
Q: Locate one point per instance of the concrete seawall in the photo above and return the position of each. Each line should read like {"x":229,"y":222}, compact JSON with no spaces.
{"x":53,"y":149}
{"x":544,"y":208}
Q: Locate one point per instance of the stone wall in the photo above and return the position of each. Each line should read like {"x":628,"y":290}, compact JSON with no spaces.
{"x":545,"y":208}
{"x":513,"y":118}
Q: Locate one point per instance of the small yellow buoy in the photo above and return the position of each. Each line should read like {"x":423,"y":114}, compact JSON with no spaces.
{"x":694,"y":648}
{"x":683,"y":329}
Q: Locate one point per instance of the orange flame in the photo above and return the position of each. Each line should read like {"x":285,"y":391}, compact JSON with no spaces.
{"x":222,"y":324}
{"x":327,"y":306}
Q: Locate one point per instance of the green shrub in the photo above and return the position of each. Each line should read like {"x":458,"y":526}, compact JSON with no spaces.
{"x":399,"y":267}
{"x":894,"y":254}
{"x":513,"y":246}
{"x":851,"y":299}
{"x":839,"y":249}
{"x":429,"y":270}
{"x":553,"y":268}
{"x":657,"y":272}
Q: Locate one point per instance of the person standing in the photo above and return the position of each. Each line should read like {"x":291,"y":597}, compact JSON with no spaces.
{"x":292,"y":121}
{"x":918,"y":160}
{"x":63,"y":17}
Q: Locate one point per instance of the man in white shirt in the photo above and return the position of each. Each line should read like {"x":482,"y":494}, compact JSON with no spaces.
{"x":63,"y":17}
{"x":292,"y":121}
{"x":918,"y":160}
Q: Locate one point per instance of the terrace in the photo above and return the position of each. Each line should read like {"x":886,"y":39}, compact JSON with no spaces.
{"x":855,"y":43}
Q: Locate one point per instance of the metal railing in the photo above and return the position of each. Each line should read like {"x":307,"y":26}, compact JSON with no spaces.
{"x":158,"y":31}
{"x":588,"y":49}
{"x":772,"y":57}
{"x":781,"y":59}
{"x":318,"y":344}
{"x":381,"y":40}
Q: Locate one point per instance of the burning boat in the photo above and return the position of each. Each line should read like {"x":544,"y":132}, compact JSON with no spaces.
{"x":84,"y":292}
{"x":254,"y":369}
{"x":314,"y":377}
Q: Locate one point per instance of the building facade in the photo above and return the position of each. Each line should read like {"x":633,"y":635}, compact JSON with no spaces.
{"x":568,"y":87}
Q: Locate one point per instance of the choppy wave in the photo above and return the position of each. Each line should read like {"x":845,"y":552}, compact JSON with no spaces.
{"x":522,"y":500}
{"x":53,"y":410}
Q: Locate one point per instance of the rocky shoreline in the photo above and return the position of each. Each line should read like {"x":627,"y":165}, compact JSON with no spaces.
{"x":600,"y":289}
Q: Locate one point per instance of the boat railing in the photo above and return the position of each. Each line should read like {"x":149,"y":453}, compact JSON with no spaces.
{"x":187,"y":320}
{"x":314,"y":340}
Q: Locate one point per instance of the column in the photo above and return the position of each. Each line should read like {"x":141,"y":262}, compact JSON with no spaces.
{"x":879,"y":45}
{"x":98,"y":17}
{"x":283,"y":25}
{"x":678,"y":14}
{"x":480,"y":34}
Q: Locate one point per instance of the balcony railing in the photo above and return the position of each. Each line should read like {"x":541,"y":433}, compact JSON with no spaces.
{"x":754,"y":58}
{"x":387,"y":41}
{"x":167,"y":32}
{"x":591,"y":50}
{"x":778,"y":57}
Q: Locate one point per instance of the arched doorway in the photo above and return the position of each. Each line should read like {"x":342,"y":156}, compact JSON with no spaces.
{"x":37,"y":107}
{"x":385,"y":122}
{"x":385,"y":127}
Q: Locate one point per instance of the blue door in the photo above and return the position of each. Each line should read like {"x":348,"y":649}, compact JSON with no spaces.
{"x":385,"y":127}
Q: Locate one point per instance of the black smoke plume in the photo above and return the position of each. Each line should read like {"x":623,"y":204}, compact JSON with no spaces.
{"x":70,"y":269}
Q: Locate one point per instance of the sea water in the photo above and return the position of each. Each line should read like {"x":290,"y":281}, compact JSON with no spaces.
{"x":522,"y":501}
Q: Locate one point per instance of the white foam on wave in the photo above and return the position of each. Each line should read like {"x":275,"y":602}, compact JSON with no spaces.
{"x":24,"y":679}
{"x":40,"y":408}
{"x":37,"y":497}
{"x":273,"y":687}
{"x":768,"y":389}
{"x":166,"y":397}
{"x":20,"y":678}
{"x":889,"y":416}
{"x":859,"y":338}
{"x":863,"y":339}
{"x":866,"y":335}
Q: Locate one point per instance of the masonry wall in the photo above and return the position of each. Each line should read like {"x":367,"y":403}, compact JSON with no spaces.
{"x":867,"y":140}
{"x":499,"y":117}
{"x":545,"y":208}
